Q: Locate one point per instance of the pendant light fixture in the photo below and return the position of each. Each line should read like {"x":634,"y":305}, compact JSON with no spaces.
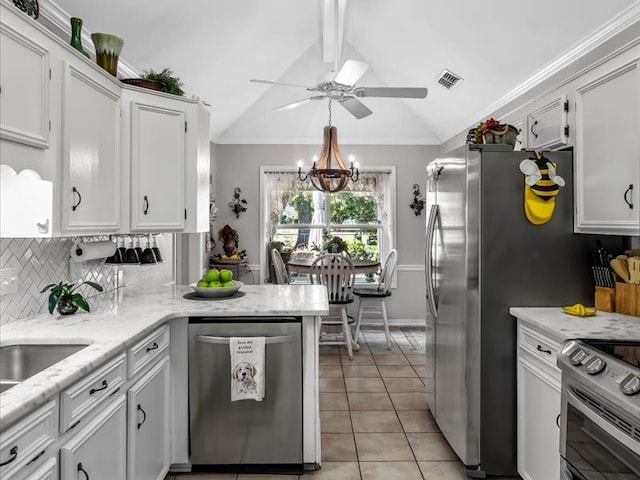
{"x":331,"y":174}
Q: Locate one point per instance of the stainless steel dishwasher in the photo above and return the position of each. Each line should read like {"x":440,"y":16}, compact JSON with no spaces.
{"x":245,"y":435}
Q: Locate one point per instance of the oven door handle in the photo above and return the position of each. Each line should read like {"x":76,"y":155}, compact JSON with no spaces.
{"x":602,"y":423}
{"x":225,"y":340}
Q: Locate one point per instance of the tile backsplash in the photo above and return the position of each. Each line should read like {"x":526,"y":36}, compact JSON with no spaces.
{"x":39,"y":262}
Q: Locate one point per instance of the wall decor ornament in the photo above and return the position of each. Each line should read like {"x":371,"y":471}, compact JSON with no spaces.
{"x":30,"y":7}
{"x":418,"y":200}
{"x":108,"y":49}
{"x":238,"y":204}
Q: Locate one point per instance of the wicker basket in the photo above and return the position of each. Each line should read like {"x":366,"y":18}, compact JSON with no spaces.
{"x":144,"y":83}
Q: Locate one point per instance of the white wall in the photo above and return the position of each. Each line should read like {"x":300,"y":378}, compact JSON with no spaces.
{"x":239,"y":166}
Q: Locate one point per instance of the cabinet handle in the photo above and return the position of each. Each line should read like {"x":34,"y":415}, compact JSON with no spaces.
{"x":80,"y":469}
{"x":76,"y":192}
{"x":36,"y":457}
{"x":144,"y":416}
{"x":14,"y":455}
{"x":628,"y":190}
{"x":146,"y":205}
{"x":543,"y":350}
{"x":558,"y":420}
{"x":152,"y":347}
{"x":94,"y":390}
{"x":531,"y":129}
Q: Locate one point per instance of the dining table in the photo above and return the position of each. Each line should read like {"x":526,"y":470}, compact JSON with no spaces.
{"x":303,"y":265}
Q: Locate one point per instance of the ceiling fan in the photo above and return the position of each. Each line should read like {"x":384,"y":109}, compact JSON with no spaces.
{"x":341,"y":88}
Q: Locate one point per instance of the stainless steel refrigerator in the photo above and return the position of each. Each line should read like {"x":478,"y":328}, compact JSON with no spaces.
{"x":482,"y":256}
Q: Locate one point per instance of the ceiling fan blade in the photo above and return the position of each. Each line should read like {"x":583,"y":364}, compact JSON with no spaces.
{"x":394,"y":92}
{"x":351,"y":72}
{"x":254,"y":80}
{"x":355,"y":107}
{"x":299,"y":103}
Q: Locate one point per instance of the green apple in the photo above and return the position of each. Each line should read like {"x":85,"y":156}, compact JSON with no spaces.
{"x":226,"y":275}
{"x":215,"y":284}
{"x":203,"y":283}
{"x":212,"y":275}
{"x":230,"y":283}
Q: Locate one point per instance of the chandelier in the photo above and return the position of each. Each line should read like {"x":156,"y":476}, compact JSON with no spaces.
{"x":329,"y":175}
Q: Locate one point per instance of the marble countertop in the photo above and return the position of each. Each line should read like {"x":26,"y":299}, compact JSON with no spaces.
{"x":137,"y":313}
{"x":562,"y":326}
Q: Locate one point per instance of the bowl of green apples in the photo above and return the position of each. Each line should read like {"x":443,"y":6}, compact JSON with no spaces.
{"x":216,"y":284}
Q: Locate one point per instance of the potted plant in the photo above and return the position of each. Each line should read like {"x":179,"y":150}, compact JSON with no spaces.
{"x":170,"y":83}
{"x":65,"y":297}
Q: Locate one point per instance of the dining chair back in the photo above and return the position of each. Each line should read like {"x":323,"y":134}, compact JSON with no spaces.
{"x":372,"y":299}
{"x":336,"y":272}
{"x":279,"y":267}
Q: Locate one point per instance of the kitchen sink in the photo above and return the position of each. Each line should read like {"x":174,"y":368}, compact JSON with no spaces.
{"x":19,"y":362}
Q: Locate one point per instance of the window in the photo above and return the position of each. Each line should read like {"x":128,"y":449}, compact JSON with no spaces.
{"x":305,"y":219}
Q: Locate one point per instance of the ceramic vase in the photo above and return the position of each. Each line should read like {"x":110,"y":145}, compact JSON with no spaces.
{"x":108,"y":49}
{"x":76,"y":35}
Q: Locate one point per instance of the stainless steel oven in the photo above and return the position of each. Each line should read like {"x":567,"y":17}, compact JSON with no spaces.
{"x":600,"y":429}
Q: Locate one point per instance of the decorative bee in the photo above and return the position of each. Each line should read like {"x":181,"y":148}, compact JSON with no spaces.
{"x":541,"y":176}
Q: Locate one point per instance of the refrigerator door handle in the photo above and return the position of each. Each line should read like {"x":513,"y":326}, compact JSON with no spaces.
{"x":225,"y":340}
{"x":431,"y":226}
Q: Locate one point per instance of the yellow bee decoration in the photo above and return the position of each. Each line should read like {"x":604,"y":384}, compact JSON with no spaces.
{"x":542,"y":184}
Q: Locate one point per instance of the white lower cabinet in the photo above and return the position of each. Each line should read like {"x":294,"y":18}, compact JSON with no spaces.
{"x":98,"y":451}
{"x":48,"y":471}
{"x":539,"y":406}
{"x":149,"y":443}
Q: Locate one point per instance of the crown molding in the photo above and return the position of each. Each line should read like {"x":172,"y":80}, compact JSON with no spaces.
{"x":52,"y":12}
{"x":624,"y":20}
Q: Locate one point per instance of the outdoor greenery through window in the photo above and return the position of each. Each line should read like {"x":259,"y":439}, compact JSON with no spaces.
{"x":306,"y":221}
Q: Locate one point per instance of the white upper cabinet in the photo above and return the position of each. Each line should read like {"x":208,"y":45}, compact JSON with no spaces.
{"x":90,"y":151}
{"x":547,"y":124}
{"x":166,"y":148}
{"x":608,"y":147}
{"x":24,"y":91}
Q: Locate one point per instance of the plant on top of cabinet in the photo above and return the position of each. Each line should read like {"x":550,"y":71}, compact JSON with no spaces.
{"x":170,"y":83}
{"x":63,"y":295}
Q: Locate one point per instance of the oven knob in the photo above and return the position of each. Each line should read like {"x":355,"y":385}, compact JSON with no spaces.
{"x":629,"y":384}
{"x":578,"y":356}
{"x":594,"y":365}
{"x":570,"y":347}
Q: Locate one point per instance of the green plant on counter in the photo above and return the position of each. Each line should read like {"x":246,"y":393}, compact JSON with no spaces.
{"x":65,"y":293}
{"x":170,"y":83}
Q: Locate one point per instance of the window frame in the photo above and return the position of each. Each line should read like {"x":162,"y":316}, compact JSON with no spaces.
{"x":387,"y":228}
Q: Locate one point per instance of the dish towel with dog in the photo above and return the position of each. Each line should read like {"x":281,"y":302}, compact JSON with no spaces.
{"x":247,"y":368}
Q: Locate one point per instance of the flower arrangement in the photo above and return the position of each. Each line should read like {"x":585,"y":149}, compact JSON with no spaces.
{"x":492,"y":131}
{"x":336,"y":245}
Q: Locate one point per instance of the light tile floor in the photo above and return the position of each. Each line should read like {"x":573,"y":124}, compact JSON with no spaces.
{"x":374,"y":417}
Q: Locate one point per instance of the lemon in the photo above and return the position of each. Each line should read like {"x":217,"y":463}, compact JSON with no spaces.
{"x":226,"y":275}
{"x":212,"y":275}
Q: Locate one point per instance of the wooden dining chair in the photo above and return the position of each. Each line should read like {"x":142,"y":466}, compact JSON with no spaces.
{"x":279,"y":267}
{"x":337,"y":273}
{"x":372,"y":299}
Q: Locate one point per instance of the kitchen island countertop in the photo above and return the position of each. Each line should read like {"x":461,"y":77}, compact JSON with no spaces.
{"x":562,"y":326}
{"x":136,"y":313}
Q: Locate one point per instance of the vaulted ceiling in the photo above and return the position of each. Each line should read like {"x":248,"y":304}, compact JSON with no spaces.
{"x":216,"y":46}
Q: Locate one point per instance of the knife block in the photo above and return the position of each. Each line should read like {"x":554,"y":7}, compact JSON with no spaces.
{"x":627,"y":299}
{"x":605,"y":299}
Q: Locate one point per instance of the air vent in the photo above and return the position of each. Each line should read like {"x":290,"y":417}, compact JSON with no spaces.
{"x":608,"y":414}
{"x":449,"y":80}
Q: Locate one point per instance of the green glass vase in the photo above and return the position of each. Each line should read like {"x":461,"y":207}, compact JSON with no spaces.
{"x":76,"y":35}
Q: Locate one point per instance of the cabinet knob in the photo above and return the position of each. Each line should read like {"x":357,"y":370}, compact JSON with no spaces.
{"x":146,"y":205}
{"x":630,"y":191}
{"x":14,"y":455}
{"x":532,"y":130}
{"x":144,"y":416}
{"x":80,"y":469}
